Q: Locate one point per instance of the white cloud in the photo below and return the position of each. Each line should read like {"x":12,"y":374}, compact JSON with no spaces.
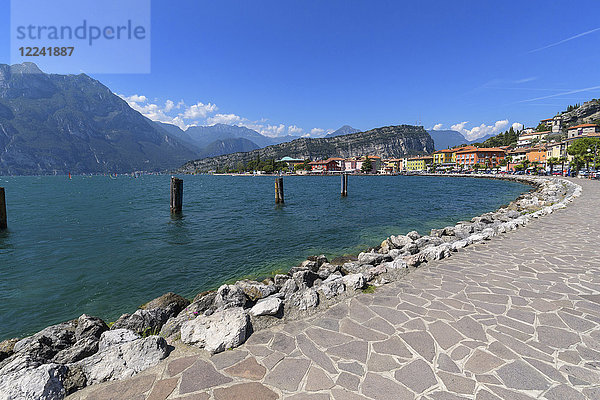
{"x":200,"y":114}
{"x":517,"y":126}
{"x":294,"y":130}
{"x":229,"y":119}
{"x":199,"y":110}
{"x":481,"y":130}
{"x":437,"y":127}
{"x":316,"y":132}
{"x":169,"y":105}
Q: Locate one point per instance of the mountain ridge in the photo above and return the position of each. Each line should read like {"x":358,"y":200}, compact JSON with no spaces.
{"x":389,"y":141}
{"x":52,"y":123}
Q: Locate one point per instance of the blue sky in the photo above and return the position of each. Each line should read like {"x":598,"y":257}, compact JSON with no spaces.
{"x":306,"y":67}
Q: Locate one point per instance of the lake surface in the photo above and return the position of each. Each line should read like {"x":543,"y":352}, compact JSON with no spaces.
{"x":104,"y":246}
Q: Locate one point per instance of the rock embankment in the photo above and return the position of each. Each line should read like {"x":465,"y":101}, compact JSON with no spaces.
{"x":66,"y":357}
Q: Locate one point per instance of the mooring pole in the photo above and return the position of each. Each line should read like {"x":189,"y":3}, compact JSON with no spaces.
{"x":3,"y":224}
{"x":344,"y":185}
{"x":176,"y":195}
{"x":279,"y":191}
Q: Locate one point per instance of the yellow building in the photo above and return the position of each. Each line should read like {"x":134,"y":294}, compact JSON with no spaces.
{"x":419,"y":163}
{"x":445,"y":158}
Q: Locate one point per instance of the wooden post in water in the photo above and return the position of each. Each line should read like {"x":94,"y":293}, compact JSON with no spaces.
{"x":176,"y":195}
{"x":3,"y":224}
{"x":344,"y":185}
{"x":279,"y":191}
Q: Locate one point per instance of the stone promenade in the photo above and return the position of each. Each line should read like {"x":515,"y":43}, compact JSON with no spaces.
{"x":515,"y":318}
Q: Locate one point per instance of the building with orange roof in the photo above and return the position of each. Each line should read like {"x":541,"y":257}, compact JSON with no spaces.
{"x":443,"y":157}
{"x":489,"y":157}
{"x":329,"y":165}
{"x":537,"y":154}
{"x":583,"y":130}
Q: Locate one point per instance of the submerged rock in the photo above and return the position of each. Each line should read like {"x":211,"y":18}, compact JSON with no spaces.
{"x":218,"y":332}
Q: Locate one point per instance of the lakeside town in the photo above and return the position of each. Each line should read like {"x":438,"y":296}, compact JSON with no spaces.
{"x":549,"y":149}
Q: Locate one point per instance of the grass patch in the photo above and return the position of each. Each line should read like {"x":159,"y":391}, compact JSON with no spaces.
{"x":369,"y":289}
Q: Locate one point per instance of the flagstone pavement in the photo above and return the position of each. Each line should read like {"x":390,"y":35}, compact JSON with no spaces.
{"x":515,"y":318}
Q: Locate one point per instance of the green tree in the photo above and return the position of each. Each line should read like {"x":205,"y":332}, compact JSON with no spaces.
{"x":367,"y":165}
{"x":585,"y":148}
{"x":306,"y":165}
{"x":552,"y":161}
{"x":541,"y":127}
{"x":577,"y":163}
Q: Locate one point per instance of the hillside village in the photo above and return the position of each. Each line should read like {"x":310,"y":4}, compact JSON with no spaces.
{"x":558,"y":145}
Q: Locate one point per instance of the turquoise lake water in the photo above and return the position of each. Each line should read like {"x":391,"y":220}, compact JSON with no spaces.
{"x":104,"y":246}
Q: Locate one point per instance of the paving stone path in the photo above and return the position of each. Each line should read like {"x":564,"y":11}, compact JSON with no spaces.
{"x":515,"y":318}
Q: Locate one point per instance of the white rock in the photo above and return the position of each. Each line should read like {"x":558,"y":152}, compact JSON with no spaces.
{"x":268,"y":306}
{"x":488,"y":233}
{"x":437,"y":252}
{"x":476,"y":238}
{"x":123,"y":360}
{"x":305,"y":299}
{"x":354,"y":281}
{"x":116,"y":336}
{"x":35,"y":382}
{"x":332,"y":288}
{"x":459,"y":244}
{"x":218,"y":332}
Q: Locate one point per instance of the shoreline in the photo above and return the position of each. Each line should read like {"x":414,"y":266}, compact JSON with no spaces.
{"x":319,"y":284}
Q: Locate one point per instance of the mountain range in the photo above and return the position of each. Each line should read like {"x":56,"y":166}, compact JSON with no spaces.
{"x":444,"y":139}
{"x":72,"y":123}
{"x":389,"y":141}
{"x":344,"y":130}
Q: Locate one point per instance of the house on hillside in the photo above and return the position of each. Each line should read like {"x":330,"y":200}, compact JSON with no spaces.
{"x":583,"y":130}
{"x":527,"y":139}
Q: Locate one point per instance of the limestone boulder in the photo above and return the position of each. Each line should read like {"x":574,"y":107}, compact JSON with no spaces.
{"x":116,"y":337}
{"x":256,"y":290}
{"x":354,"y":281}
{"x":45,"y":344}
{"x":170,"y":301}
{"x":269,"y":306}
{"x":25,"y":378}
{"x":143,"y":321}
{"x":305,"y":299}
{"x":229,"y":296}
{"x":218,"y":332}
{"x":89,"y":327}
{"x":123,"y":360}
